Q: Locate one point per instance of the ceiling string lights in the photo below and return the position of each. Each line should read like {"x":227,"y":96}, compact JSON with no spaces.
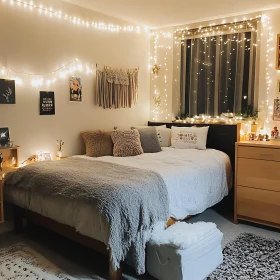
{"x":50,"y":12}
{"x":46,"y":79}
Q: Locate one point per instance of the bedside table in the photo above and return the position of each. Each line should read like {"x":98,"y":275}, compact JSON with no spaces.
{"x":257,"y":182}
{"x":4,"y":171}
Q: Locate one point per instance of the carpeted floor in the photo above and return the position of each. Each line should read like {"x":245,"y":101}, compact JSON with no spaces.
{"x":84,"y":264}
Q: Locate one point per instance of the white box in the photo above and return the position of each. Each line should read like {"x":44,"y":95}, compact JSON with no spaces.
{"x":165,"y":262}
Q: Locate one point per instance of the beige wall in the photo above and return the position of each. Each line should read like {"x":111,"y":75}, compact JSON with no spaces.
{"x":265,"y":101}
{"x":35,"y":43}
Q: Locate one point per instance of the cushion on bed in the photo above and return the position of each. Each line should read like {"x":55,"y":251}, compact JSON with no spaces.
{"x":126,"y":143}
{"x":98,"y":143}
{"x":164,"y":136}
{"x":149,"y":140}
{"x":189,"y":137}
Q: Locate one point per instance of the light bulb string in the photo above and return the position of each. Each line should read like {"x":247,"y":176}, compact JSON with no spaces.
{"x":54,"y":72}
{"x":76,"y":20}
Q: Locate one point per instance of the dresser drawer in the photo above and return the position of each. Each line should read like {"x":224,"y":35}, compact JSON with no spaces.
{"x":258,"y":174}
{"x":258,"y":153}
{"x":258,"y":204}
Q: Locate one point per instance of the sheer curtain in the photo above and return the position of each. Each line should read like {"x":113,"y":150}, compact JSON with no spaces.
{"x":217,"y":73}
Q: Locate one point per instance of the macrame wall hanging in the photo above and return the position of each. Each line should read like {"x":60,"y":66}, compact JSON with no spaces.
{"x":116,"y":88}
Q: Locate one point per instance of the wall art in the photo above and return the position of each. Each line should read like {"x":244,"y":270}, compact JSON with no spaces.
{"x":276,"y":110}
{"x":4,"y":136}
{"x":7,"y":92}
{"x":278,"y":52}
{"x":47,"y":104}
{"x":75,"y":89}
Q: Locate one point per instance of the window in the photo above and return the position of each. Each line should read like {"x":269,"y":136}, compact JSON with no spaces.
{"x":218,"y":74}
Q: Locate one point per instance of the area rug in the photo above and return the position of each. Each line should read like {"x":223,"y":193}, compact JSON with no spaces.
{"x":249,"y":257}
{"x":20,"y":262}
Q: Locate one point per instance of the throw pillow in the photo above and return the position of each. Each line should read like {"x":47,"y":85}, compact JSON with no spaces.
{"x":189,"y":137}
{"x":126,"y":143}
{"x":164,"y":136}
{"x":98,"y":143}
{"x":149,"y":140}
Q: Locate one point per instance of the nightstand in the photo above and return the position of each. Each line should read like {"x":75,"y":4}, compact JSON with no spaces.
{"x":2,"y":173}
{"x":257,"y":182}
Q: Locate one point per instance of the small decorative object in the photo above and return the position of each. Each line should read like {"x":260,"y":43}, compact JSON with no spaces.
{"x":1,"y":161}
{"x":75,"y":89}
{"x":278,"y":52}
{"x":43,"y":156}
{"x":7,"y":92}
{"x":276,"y":110}
{"x":157,"y":101}
{"x":13,"y":161}
{"x":31,"y":159}
{"x":47,"y":105}
{"x":156,"y":69}
{"x":59,"y":145}
{"x":275,"y":133}
{"x":4,"y":136}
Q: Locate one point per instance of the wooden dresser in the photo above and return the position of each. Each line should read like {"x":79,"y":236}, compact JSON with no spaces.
{"x":257,"y":182}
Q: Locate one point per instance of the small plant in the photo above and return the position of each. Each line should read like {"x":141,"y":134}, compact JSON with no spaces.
{"x":59,"y":145}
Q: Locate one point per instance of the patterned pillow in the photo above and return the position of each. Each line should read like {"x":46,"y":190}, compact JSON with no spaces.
{"x":126,"y":143}
{"x":98,"y":143}
{"x":189,"y":137}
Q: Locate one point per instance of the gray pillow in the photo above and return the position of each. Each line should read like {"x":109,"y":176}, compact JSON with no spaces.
{"x":149,"y":140}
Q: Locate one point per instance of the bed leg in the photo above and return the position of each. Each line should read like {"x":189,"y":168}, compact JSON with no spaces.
{"x":18,"y":221}
{"x":115,"y":274}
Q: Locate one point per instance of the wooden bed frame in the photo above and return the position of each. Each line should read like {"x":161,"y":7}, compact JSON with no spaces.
{"x":220,"y":137}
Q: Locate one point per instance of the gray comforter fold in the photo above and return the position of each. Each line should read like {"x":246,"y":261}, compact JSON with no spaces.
{"x":131,"y":200}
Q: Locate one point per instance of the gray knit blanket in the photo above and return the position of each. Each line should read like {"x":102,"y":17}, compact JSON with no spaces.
{"x":132,"y":200}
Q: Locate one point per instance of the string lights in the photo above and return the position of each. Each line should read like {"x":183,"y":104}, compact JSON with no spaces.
{"x":49,"y":78}
{"x":160,"y":86}
{"x":50,"y":12}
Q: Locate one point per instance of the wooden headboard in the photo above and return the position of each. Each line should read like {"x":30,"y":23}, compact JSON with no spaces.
{"x":221,"y":137}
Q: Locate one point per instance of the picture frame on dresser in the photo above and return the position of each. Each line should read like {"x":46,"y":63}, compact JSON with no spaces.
{"x":4,"y":136}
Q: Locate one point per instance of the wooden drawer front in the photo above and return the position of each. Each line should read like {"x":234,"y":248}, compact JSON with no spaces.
{"x":259,"y":153}
{"x":258,"y":174}
{"x":258,"y":204}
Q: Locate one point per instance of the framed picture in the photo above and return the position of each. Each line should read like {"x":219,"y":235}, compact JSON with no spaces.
{"x":278,"y":52}
{"x":7,"y":92}
{"x":47,"y":104}
{"x":75,"y":85}
{"x":276,"y":110}
{"x":278,"y":86}
{"x":4,"y":136}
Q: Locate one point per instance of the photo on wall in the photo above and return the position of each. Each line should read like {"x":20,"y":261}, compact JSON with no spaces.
{"x":7,"y":92}
{"x":75,"y":89}
{"x":276,"y":110}
{"x":4,"y":136}
{"x":47,"y":104}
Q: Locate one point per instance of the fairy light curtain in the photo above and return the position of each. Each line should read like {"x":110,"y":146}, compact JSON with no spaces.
{"x":116,"y":88}
{"x":218,"y":71}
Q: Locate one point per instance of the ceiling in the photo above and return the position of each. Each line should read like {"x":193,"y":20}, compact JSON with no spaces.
{"x":161,"y":13}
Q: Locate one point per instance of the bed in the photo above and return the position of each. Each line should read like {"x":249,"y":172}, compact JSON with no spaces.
{"x":208,"y":172}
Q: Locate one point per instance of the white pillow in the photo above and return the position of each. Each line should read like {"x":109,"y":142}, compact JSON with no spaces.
{"x":189,"y":137}
{"x":164,"y":136}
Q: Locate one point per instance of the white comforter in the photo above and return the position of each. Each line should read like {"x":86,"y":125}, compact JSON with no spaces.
{"x":195,"y":179}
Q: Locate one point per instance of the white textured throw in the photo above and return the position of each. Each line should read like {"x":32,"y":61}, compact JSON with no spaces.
{"x":182,"y":235}
{"x":132,"y":200}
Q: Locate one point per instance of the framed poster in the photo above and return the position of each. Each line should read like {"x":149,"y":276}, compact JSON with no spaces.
{"x":278,"y":52}
{"x":7,"y":92}
{"x":47,"y":104}
{"x":276,"y":110}
{"x":75,"y":89}
{"x":4,"y":136}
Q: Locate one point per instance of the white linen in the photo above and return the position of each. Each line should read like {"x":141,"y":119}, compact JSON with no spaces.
{"x":195,"y":179}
